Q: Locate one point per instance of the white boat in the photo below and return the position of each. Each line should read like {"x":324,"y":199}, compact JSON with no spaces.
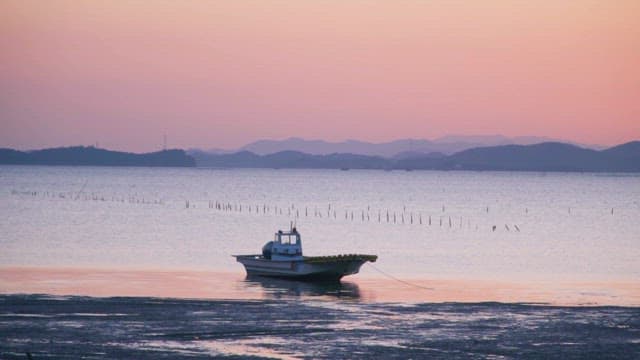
{"x":282,"y":258}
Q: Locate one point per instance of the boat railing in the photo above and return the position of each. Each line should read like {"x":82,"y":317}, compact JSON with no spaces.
{"x":342,"y":257}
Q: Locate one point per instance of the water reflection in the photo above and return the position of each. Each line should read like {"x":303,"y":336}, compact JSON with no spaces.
{"x":280,"y":288}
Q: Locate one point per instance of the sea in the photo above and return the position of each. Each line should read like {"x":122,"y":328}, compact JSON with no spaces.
{"x":132,"y":262}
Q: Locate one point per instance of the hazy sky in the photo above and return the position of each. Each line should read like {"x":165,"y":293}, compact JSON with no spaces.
{"x":222,"y":73}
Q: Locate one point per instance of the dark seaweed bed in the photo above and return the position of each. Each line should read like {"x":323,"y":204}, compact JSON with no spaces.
{"x":50,"y":327}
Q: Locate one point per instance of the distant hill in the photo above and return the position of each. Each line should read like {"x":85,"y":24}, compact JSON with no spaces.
{"x":321,"y":147}
{"x":549,"y":156}
{"x":81,"y":155}
{"x":393,"y":149}
{"x":417,"y":154}
{"x":290,"y":159}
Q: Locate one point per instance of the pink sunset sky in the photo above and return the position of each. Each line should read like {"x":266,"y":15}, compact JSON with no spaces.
{"x":224,"y":73}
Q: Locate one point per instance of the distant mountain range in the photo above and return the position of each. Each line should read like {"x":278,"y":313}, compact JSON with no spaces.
{"x":548,"y":156}
{"x":291,"y":159}
{"x":81,"y":155}
{"x":394,"y":149}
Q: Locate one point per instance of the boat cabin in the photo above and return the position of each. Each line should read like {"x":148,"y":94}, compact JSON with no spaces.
{"x":285,"y":246}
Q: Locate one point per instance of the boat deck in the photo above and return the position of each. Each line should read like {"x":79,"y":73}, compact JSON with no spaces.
{"x":338,"y":258}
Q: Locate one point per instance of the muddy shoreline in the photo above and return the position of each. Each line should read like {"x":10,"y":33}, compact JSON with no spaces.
{"x":148,"y":328}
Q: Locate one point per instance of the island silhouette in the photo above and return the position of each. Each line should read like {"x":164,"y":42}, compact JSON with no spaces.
{"x":546,"y":156}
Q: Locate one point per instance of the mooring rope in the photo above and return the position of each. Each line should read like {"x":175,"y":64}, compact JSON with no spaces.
{"x":399,"y":280}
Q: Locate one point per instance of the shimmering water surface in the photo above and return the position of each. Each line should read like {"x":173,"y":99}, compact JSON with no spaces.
{"x":548,"y":226}
{"x":147,"y":328}
{"x":462,"y":255}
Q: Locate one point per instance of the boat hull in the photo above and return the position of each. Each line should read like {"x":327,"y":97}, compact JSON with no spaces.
{"x":330,"y":269}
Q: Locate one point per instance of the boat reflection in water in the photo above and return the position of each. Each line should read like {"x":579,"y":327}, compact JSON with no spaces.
{"x":275,"y":288}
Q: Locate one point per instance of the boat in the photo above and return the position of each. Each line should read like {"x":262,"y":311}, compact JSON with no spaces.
{"x":282,"y":258}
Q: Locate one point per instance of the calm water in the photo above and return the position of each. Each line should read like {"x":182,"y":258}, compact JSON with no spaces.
{"x":547,"y":226}
{"x":160,"y":237}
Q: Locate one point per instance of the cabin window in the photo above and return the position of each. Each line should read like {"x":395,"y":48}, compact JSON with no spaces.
{"x":287,"y":239}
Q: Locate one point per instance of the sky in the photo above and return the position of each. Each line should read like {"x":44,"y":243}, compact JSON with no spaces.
{"x":219,"y":74}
